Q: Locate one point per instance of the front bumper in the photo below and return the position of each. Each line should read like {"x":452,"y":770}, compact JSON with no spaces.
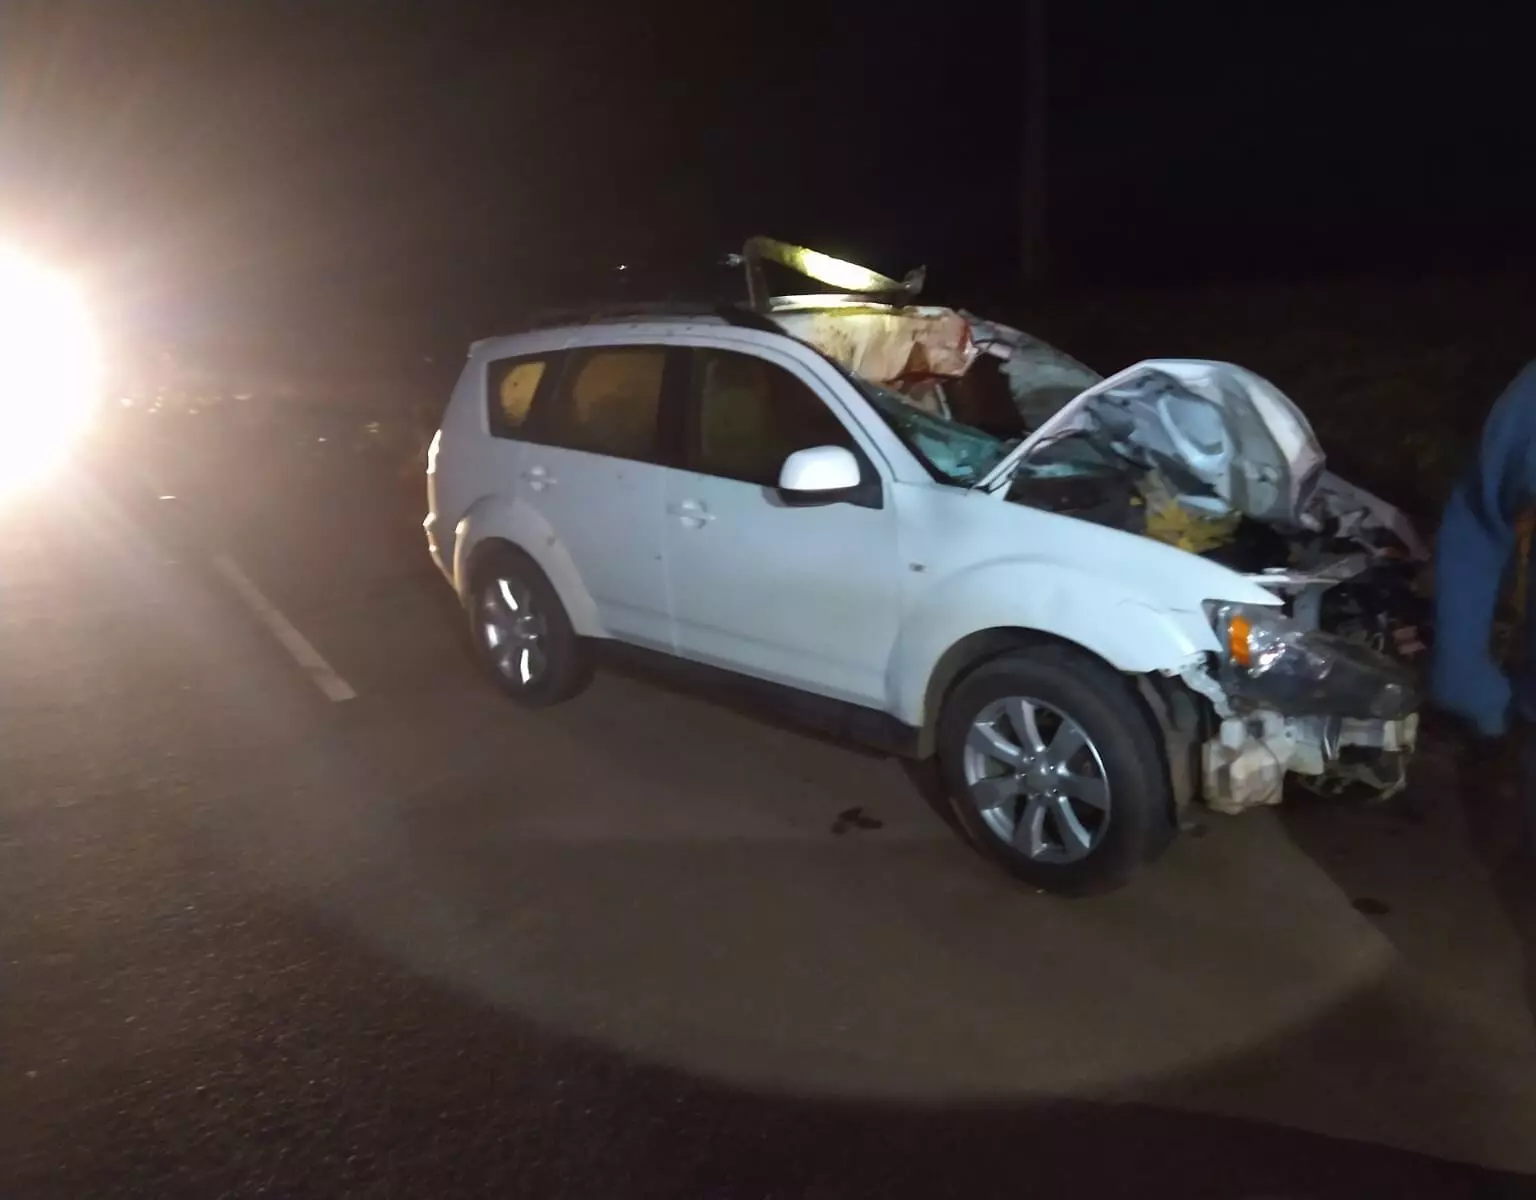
{"x":1244,"y":766}
{"x":435,"y":549}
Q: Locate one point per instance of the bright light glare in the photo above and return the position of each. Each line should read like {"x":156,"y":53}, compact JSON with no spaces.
{"x":50,"y":369}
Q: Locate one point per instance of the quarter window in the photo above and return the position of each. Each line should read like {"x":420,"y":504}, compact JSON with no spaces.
{"x":511,"y":385}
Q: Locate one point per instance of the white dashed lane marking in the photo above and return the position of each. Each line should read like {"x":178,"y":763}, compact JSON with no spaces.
{"x":331,"y":685}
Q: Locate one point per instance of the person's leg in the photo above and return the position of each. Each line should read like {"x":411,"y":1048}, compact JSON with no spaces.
{"x":1525,"y":733}
{"x":1522,"y":655}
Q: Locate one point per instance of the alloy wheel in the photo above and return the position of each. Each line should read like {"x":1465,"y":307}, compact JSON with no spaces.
{"x":513,"y":630}
{"x":1037,"y":780}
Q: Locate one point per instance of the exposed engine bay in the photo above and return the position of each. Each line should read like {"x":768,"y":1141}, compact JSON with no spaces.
{"x":1204,"y":456}
{"x":1357,"y":589}
{"x":1211,"y":459}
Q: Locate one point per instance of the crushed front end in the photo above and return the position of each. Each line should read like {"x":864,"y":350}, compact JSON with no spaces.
{"x":1324,"y":687}
{"x":1213,"y":460}
{"x":1204,"y":456}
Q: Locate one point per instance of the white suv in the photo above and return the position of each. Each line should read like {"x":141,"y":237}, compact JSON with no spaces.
{"x":707,"y":486}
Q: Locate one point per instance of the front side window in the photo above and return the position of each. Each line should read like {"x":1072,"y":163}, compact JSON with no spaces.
{"x":952,"y":452}
{"x":750,"y":415}
{"x":609,"y":403}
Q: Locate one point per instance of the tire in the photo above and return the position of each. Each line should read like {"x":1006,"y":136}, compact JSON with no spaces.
{"x":521,"y":634}
{"x":1088,"y":803}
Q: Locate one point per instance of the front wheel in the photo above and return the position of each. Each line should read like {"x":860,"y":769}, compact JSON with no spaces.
{"x":1053,"y":769}
{"x":521,"y":632}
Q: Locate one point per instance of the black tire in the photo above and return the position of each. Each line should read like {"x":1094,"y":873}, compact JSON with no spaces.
{"x":1137,"y":821}
{"x":566,"y":667}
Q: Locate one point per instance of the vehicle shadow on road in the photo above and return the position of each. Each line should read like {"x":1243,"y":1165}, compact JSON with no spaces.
{"x":370,"y":1081}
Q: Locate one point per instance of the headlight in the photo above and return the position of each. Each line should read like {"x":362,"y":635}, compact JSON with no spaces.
{"x":49,"y":368}
{"x":1270,"y":661}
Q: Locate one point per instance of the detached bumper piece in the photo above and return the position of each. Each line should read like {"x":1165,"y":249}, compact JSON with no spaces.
{"x":1245,"y":765}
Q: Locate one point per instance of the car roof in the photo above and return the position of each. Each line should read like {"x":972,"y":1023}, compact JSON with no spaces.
{"x":667,"y":314}
{"x":872,"y":293}
{"x":539,"y":327}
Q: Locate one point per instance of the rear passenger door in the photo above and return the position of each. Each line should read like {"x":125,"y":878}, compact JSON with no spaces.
{"x":590,"y":472}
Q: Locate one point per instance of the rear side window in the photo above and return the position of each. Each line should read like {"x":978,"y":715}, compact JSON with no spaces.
{"x":750,"y":415}
{"x":608,"y":403}
{"x":511,"y":385}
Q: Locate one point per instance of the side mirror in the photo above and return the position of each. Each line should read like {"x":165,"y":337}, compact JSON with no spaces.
{"x":824,"y":475}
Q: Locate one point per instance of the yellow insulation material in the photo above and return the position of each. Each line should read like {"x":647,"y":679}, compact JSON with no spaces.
{"x":1169,"y":521}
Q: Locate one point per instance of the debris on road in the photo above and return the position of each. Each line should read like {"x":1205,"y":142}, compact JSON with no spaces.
{"x":855,"y":818}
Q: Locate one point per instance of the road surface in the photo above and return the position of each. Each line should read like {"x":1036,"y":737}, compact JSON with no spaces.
{"x":264,"y":935}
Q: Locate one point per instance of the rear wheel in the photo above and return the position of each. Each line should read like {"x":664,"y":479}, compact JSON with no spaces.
{"x":521,"y":632}
{"x":1053,"y":769}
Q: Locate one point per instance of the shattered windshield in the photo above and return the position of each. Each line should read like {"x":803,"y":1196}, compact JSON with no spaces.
{"x":953,"y":452}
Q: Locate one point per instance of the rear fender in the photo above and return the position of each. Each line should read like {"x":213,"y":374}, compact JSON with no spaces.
{"x":496,"y":519}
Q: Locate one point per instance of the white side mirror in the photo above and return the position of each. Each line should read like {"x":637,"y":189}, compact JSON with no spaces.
{"x":820,"y":469}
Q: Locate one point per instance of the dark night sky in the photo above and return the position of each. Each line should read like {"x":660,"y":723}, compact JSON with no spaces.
{"x":334,"y":170}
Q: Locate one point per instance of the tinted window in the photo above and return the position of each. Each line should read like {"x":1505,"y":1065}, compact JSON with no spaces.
{"x":750,"y":415}
{"x":608,"y":403}
{"x":511,"y":385}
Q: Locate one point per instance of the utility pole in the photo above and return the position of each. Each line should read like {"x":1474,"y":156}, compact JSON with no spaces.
{"x":1034,"y":246}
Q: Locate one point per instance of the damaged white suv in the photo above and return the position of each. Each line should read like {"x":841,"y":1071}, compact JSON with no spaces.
{"x":1156,"y":597}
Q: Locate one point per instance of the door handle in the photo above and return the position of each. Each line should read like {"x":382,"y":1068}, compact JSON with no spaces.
{"x":538,"y":478}
{"x":691,"y":513}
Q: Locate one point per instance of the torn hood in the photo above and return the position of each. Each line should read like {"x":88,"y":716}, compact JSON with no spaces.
{"x":1213,"y":425}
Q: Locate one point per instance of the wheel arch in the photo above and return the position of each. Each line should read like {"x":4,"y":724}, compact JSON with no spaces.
{"x":483,"y":551}
{"x":1175,"y":716}
{"x":494,"y":521}
{"x":964,"y":656}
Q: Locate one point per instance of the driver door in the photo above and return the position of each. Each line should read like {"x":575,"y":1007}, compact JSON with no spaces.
{"x":804,"y":596}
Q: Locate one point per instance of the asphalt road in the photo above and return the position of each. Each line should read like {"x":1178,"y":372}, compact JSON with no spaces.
{"x":261,"y":942}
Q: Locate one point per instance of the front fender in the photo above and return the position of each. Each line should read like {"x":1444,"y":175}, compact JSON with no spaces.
{"x":495,"y":517}
{"x":1115,"y":623}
